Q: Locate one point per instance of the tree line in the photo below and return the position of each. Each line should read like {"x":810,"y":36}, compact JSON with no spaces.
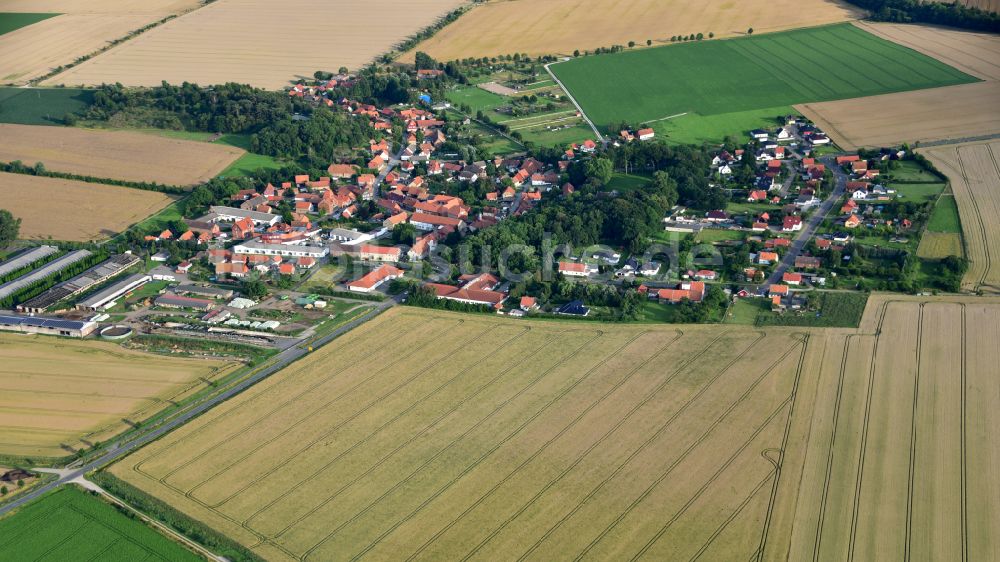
{"x":952,"y":14}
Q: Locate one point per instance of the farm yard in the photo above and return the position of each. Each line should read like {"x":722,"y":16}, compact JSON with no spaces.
{"x":76,"y":30}
{"x":70,"y":524}
{"x":956,"y":112}
{"x":235,"y":41}
{"x":538,"y":438}
{"x":975,"y":174}
{"x":896,"y":457}
{"x":720,"y":77}
{"x":562,"y":26}
{"x":85,"y":211}
{"x":118,"y":155}
{"x":59,"y":394}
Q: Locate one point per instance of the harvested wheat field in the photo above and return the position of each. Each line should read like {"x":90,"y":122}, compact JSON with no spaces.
{"x":496,"y":439}
{"x":238,"y":41}
{"x":81,"y":29}
{"x":51,"y":208}
{"x":57,"y":394}
{"x":956,"y":112}
{"x":898,"y":457}
{"x":974,"y":171}
{"x":540,"y":27}
{"x":119,"y":155}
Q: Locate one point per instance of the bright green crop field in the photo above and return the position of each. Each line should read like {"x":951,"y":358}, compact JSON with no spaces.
{"x":744,"y":75}
{"x":69,"y":524}
{"x":42,"y":106}
{"x":10,"y":21}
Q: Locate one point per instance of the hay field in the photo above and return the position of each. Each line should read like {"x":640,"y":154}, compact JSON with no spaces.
{"x":57,"y":393}
{"x":120,"y":155}
{"x":898,"y":458}
{"x":80,"y":29}
{"x":540,"y":27}
{"x":260,"y":42}
{"x":74,"y":210}
{"x":489,"y":438}
{"x":954,"y":112}
{"x":974,"y":171}
{"x":937,"y":245}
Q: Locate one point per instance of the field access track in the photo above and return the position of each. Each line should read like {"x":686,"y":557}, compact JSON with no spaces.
{"x":429,"y":435}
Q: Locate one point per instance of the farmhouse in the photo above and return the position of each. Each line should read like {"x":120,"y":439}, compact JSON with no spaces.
{"x":426,"y":222}
{"x":572,"y":269}
{"x":374,"y":279}
{"x":693,"y":291}
{"x":369,"y":252}
{"x":791,"y":224}
{"x":646,"y":134}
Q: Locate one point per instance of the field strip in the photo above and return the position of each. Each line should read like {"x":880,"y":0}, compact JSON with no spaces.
{"x":454,"y":441}
{"x":667,"y":118}
{"x":649,"y":396}
{"x":306,"y":410}
{"x":327,"y":434}
{"x":701,"y":439}
{"x":580,"y":458}
{"x":493,"y":449}
{"x":302,"y":447}
{"x":659,"y":432}
{"x":219,"y":413}
{"x":408,"y":442}
{"x":636,"y":452}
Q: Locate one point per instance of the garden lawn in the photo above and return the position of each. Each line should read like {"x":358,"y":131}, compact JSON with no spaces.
{"x":945,"y":216}
{"x":70,"y":524}
{"x":476,"y":98}
{"x":918,"y":192}
{"x":718,"y":77}
{"x":625,"y":183}
{"x":10,"y":21}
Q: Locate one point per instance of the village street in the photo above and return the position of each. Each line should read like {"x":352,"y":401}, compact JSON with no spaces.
{"x":810,"y":225}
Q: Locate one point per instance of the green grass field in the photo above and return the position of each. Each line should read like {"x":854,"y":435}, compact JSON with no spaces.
{"x":918,"y":192}
{"x":737,"y":76}
{"x":10,"y":21}
{"x":41,"y":106}
{"x":625,"y":183}
{"x":836,"y":310}
{"x":694,"y":128}
{"x":70,"y":524}
{"x":945,"y":216}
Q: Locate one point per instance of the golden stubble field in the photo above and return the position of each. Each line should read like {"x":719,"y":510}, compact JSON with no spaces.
{"x":82,"y":28}
{"x":481,"y":438}
{"x":538,"y":27}
{"x":120,"y":155}
{"x":260,"y":42}
{"x":58,"y":393}
{"x":73,"y":210}
{"x":954,"y":112}
{"x":974,"y":171}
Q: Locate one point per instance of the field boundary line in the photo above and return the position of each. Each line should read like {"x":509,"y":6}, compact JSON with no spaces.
{"x":583,"y":113}
{"x":422,"y":432}
{"x":336,"y":427}
{"x":642,"y":446}
{"x":784,"y":445}
{"x":668,"y":117}
{"x":635,"y":453}
{"x":541,"y":376}
{"x":530,"y":458}
{"x":497,"y":486}
{"x":964,"y":469}
{"x":833,"y":441}
{"x":913,"y":437}
{"x":864,"y":436}
{"x":989,"y":258}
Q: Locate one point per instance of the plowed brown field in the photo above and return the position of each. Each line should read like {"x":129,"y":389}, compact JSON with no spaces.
{"x":538,"y":27}
{"x":119,"y":155}
{"x":260,"y":42}
{"x":51,"y":208}
{"x":82,"y":28}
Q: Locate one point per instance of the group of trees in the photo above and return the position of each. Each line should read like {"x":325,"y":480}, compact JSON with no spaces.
{"x":9,"y":227}
{"x":923,"y":11}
